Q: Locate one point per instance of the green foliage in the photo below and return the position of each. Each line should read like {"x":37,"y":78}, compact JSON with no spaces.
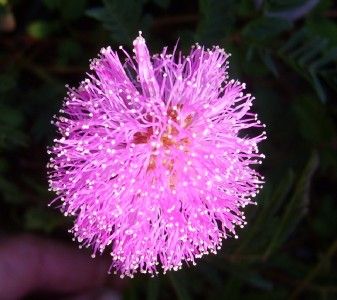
{"x":123,"y":19}
{"x":217,"y":19}
{"x":290,"y":65}
{"x":69,"y":10}
{"x":275,"y":5}
{"x":41,"y":29}
{"x":295,"y":209}
{"x":264,"y":28}
{"x":314,"y":57}
{"x":314,"y":124}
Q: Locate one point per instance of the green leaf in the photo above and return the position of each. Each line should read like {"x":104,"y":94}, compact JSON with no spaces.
{"x":311,"y":56}
{"x":315,"y":124}
{"x":318,"y":86}
{"x":122,"y":18}
{"x":313,"y":45}
{"x":98,"y":13}
{"x":313,"y":50}
{"x":267,"y":209}
{"x":251,"y":277}
{"x":266,"y":28}
{"x":217,"y":20}
{"x":324,"y":28}
{"x":328,"y":57}
{"x":330,"y":77}
{"x":296,"y":208}
{"x":41,"y":29}
{"x":295,"y":39}
{"x":269,"y":62}
{"x":250,"y":53}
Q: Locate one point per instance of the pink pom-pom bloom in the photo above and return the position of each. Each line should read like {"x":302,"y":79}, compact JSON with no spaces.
{"x":154,"y":158}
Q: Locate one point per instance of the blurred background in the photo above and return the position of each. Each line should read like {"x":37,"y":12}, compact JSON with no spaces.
{"x":286,"y":52}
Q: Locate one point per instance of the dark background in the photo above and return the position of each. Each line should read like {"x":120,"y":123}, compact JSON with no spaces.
{"x":286,"y":52}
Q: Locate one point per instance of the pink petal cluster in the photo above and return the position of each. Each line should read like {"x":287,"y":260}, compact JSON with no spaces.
{"x":154,"y":157}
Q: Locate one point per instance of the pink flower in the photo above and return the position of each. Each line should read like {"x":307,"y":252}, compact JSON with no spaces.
{"x":154,"y":158}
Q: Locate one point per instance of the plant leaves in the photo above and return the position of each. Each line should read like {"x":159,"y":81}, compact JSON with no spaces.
{"x":265,"y":28}
{"x":296,"y":207}
{"x":267,"y":209}
{"x":123,"y":19}
{"x":217,"y":19}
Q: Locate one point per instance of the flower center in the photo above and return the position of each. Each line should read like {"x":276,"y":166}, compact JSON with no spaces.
{"x":169,"y":139}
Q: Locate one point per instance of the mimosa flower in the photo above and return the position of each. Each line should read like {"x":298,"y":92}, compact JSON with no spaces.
{"x":155,"y":157}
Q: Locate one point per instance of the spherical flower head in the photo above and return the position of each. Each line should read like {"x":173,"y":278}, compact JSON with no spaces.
{"x":155,"y":157}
